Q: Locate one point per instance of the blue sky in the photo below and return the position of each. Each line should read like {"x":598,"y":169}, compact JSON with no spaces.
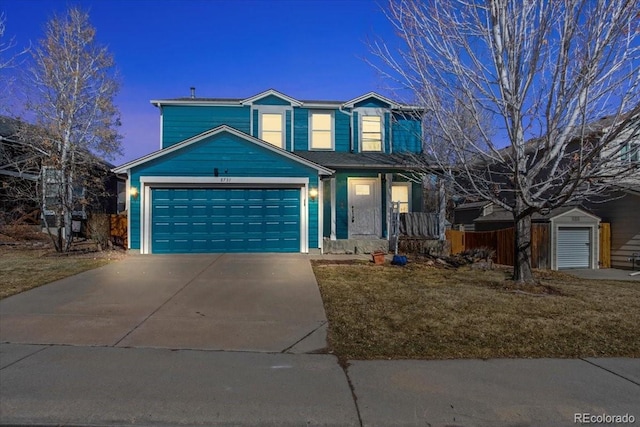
{"x":308,"y":49}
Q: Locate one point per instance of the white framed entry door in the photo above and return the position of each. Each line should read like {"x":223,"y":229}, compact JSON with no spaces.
{"x":364,"y":215}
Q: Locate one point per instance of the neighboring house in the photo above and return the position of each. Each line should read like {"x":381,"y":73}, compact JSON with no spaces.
{"x":21,"y":172}
{"x":622,"y":211}
{"x":571,"y":238}
{"x":271,"y":173}
{"x":465,"y":214}
{"x":619,"y":208}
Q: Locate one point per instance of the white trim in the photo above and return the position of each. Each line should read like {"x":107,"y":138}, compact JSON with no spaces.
{"x":220,"y":129}
{"x":274,"y":109}
{"x":593,"y":225}
{"x":371,"y":112}
{"x":196,"y":102}
{"x":332,"y":183}
{"x":150,"y":182}
{"x":304,"y":219}
{"x":222,"y":180}
{"x":127,"y":207}
{"x":251,"y":100}
{"x":320,"y":205}
{"x":161,"y":127}
{"x":409,"y":190}
{"x":387,"y":215}
{"x":351,"y":103}
{"x":331,"y":113}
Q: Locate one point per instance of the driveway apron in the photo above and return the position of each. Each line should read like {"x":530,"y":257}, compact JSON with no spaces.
{"x":253,"y":302}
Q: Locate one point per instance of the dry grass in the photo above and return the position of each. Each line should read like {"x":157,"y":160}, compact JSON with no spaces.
{"x":23,"y":268}
{"x":424,"y":312}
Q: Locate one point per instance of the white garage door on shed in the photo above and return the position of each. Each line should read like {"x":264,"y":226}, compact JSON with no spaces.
{"x":574,"y":247}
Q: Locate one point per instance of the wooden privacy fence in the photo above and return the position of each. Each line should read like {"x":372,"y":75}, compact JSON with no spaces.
{"x":605,"y":245}
{"x":502,"y":242}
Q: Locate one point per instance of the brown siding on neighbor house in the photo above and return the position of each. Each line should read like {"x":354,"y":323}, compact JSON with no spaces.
{"x":623,"y":214}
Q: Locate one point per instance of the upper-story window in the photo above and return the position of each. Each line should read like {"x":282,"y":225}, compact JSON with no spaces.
{"x":321,"y":130}
{"x":631,"y":152}
{"x":272,"y":128}
{"x":371,"y":133}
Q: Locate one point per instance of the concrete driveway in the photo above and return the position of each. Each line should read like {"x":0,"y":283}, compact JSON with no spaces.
{"x":253,"y":302}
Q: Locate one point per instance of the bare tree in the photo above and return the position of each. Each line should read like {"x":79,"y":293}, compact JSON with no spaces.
{"x":74,"y":84}
{"x":9,"y":58}
{"x":545,"y":73}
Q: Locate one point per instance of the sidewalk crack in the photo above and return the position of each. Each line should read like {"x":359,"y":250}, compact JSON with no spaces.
{"x":345,"y":368}
{"x":324,"y":322}
{"x":610,"y":371}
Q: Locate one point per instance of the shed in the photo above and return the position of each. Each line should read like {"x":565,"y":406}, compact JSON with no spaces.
{"x":573,"y":235}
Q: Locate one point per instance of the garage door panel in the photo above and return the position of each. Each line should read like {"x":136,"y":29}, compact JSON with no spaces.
{"x":574,"y":247}
{"x":225,"y":220}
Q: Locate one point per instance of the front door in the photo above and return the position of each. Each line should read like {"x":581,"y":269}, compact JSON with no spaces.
{"x":364,"y":218}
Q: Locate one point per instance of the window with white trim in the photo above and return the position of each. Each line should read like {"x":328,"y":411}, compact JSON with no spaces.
{"x":631,"y":152}
{"x":272,"y":128}
{"x":321,"y":130}
{"x":371,"y":133}
{"x":401,"y":192}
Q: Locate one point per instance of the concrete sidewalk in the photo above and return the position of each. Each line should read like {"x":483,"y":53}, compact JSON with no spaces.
{"x":62,"y":385}
{"x":231,"y":340}
{"x":605,"y":274}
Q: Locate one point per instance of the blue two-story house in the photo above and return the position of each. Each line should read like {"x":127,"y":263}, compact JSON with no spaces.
{"x":271,"y":173}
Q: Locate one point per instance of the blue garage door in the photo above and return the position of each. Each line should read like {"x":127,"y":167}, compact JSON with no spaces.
{"x":199,"y":220}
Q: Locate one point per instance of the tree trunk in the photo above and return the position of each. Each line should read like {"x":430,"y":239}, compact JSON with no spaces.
{"x":522,"y":272}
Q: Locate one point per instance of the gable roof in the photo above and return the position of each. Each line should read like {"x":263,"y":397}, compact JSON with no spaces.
{"x":273,"y":92}
{"x":354,"y":101}
{"x":294,"y":102}
{"x":506,"y":216}
{"x":215,"y":131}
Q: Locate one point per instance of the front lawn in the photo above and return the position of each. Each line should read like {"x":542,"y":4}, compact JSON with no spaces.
{"x":22,"y":269}
{"x":422,"y":312}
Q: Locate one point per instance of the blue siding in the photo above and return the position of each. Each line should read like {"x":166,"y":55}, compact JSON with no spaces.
{"x":355,"y":131}
{"x":271,"y":100}
{"x":343,"y":126}
{"x":181,"y":122}
{"x":371,"y":103}
{"x":406,"y":134}
{"x":387,"y":133}
{"x":233,"y":157}
{"x":301,"y":129}
{"x":256,"y":122}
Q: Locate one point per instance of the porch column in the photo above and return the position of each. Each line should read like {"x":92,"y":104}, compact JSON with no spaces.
{"x":388,"y":200}
{"x":442,"y":209}
{"x":332,"y":183}
{"x":320,"y":213}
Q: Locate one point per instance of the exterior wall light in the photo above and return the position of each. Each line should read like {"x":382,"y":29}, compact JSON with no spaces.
{"x":313,"y":193}
{"x":134,"y":193}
